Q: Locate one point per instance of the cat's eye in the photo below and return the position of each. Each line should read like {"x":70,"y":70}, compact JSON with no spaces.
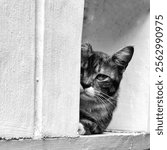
{"x":102,"y":77}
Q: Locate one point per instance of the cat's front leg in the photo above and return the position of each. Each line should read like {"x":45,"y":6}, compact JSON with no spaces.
{"x":81,"y":129}
{"x":88,"y":127}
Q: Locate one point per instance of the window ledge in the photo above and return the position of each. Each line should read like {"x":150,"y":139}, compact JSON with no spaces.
{"x":108,"y":141}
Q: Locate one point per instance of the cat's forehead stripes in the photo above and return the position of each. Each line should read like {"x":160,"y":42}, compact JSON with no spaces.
{"x":109,"y":71}
{"x":101,"y":63}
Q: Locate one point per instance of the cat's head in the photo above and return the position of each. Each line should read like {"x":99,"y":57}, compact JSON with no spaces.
{"x":101,"y":74}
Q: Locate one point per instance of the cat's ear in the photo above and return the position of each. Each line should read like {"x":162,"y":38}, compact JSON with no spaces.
{"x":123,"y":57}
{"x":86,"y":49}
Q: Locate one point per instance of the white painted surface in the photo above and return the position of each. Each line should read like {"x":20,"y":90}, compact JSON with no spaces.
{"x":39,"y":42}
{"x":17,"y":26}
{"x":63,"y":26}
{"x":110,"y":26}
{"x":56,"y":96}
{"x":107,"y":141}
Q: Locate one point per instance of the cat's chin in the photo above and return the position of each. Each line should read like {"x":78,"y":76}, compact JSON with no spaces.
{"x":85,"y":96}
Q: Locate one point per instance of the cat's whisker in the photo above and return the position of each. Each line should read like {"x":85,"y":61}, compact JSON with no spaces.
{"x":99,"y":93}
{"x":101,"y":98}
{"x":105,"y":99}
{"x":102,"y":93}
{"x":105,"y":96}
{"x":101,"y":101}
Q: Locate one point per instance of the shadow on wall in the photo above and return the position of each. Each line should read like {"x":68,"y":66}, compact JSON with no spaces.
{"x":106,"y":21}
{"x":110,"y":25}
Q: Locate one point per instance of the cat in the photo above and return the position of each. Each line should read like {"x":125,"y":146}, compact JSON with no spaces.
{"x":100,"y":78}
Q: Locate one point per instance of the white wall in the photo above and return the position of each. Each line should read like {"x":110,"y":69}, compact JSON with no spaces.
{"x":109,"y":26}
{"x":39,"y":67}
{"x":17,"y":54}
{"x":63,"y":26}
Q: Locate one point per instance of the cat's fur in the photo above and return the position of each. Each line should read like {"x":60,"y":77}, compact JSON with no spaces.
{"x":100,"y":79}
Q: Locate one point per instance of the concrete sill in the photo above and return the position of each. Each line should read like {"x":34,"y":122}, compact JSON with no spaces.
{"x":106,"y":141}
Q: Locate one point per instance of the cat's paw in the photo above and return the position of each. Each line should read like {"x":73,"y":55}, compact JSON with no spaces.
{"x":81,"y":129}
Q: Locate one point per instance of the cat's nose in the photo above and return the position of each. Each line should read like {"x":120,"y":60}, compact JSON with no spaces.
{"x":85,"y":85}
